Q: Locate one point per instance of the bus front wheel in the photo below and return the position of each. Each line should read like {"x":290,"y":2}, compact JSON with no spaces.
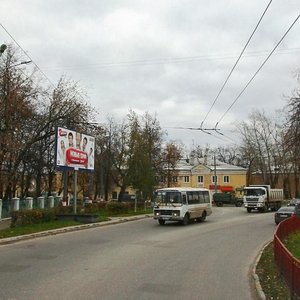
{"x":185,"y":220}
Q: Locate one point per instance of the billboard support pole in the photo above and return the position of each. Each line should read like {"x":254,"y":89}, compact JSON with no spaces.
{"x":65,"y":182}
{"x":75,"y":190}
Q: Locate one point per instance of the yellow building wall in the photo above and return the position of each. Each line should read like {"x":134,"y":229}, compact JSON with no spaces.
{"x":236,"y":180}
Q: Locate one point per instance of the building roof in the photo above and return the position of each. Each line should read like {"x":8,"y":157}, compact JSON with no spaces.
{"x":206,"y":163}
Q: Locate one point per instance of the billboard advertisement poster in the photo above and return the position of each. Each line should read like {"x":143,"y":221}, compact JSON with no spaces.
{"x":74,"y":150}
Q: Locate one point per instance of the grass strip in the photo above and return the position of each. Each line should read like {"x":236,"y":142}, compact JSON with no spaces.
{"x":271,"y":281}
{"x":292,"y":243}
{"x":44,"y":226}
{"x":33,"y":228}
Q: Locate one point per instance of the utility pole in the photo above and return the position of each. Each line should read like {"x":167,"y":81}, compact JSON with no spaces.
{"x":215,"y":172}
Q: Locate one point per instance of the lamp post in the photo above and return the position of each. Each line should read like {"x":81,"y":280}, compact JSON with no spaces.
{"x":21,"y":63}
{"x":107,"y":165}
{"x":2,"y":48}
{"x":215,"y":172}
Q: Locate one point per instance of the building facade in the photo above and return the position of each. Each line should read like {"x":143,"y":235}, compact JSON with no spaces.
{"x":207,"y":173}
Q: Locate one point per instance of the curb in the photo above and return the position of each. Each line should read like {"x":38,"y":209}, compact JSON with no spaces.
{"x":116,"y":220}
{"x":258,"y":288}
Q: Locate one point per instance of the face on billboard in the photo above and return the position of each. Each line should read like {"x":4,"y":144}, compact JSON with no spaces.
{"x":74,"y":150}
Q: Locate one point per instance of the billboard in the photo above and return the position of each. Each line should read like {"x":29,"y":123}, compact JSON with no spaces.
{"x":74,"y":150}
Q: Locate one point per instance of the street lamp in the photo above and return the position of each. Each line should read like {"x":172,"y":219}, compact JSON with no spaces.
{"x":21,"y":63}
{"x":2,"y":48}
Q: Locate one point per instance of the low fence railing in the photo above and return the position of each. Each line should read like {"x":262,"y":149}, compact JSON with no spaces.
{"x":288,"y":265}
{"x":15,"y":204}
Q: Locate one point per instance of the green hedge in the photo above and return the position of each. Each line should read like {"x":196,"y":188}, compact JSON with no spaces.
{"x":87,"y":208}
{"x":115,"y":207}
{"x":91,"y":208}
{"x":33,"y":216}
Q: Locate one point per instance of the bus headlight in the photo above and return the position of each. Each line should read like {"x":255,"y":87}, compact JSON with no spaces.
{"x":176,"y":213}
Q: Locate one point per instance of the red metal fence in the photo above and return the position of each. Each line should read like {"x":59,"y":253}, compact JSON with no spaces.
{"x":288,"y":265}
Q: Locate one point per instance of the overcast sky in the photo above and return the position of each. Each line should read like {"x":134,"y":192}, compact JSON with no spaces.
{"x":167,"y":57}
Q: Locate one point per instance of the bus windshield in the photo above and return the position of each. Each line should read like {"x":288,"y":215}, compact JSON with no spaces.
{"x":168,"y":197}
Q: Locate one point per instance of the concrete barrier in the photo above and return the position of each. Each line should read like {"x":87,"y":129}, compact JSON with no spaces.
{"x":29,"y":202}
{"x":41,"y":202}
{"x":51,"y":201}
{"x":16,"y":204}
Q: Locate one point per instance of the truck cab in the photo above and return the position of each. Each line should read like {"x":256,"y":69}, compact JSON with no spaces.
{"x":262,"y":198}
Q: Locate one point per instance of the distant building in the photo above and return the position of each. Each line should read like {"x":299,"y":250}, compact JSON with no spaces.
{"x":206,"y":173}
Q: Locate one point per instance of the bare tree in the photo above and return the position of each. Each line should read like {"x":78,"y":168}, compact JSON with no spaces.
{"x":28,"y":117}
{"x":230,"y":155}
{"x":171,"y":154}
{"x":118,"y":153}
{"x":18,"y":95}
{"x":262,"y":146}
{"x":145,"y":153}
{"x":292,"y":137}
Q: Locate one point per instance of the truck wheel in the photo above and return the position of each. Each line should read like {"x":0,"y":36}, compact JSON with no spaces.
{"x":186,"y":219}
{"x":263,"y":209}
{"x":161,"y":222}
{"x":239,"y":204}
{"x":219,"y":204}
{"x":249,"y":209}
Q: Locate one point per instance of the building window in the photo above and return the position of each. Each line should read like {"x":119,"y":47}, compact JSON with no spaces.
{"x":214,"y":179}
{"x":175,"y":179}
{"x":200,"y":179}
{"x":186,"y":179}
{"x":226,"y":179}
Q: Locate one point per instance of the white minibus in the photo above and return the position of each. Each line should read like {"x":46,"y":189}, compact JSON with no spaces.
{"x":182,"y":204}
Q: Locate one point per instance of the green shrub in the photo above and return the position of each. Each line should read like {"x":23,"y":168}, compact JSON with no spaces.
{"x":115,"y":207}
{"x":101,"y":204}
{"x":64,"y":210}
{"x":91,"y":208}
{"x":33,"y":216}
{"x":140,"y":205}
{"x":49,"y":215}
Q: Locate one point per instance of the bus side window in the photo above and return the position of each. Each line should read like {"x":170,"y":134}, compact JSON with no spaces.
{"x":190,"y":198}
{"x":202,"y":197}
{"x":183,"y":199}
{"x":206,"y":197}
{"x":197,"y":197}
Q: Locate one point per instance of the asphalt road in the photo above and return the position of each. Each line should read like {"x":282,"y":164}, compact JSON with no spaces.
{"x":140,"y":260}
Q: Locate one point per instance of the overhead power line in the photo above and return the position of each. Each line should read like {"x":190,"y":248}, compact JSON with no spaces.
{"x":167,"y":60}
{"x":264,"y":62}
{"x":205,"y":130}
{"x":231,"y":71}
{"x":26,"y":54}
